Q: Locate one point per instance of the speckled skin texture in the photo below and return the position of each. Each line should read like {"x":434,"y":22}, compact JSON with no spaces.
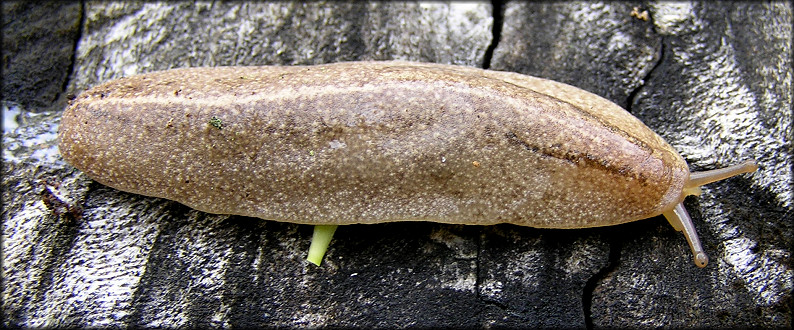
{"x":370,"y":142}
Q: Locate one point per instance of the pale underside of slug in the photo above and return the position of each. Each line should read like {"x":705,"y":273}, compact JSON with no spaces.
{"x":373,"y":142}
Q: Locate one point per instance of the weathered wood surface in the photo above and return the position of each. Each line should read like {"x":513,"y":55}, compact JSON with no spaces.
{"x":714,"y":79}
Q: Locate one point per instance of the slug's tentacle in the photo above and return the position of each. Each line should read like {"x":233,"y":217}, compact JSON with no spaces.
{"x":697,"y":179}
{"x":678,"y":216}
{"x":320,"y":241}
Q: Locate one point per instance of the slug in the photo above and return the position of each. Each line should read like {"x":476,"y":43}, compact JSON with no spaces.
{"x":373,"y":142}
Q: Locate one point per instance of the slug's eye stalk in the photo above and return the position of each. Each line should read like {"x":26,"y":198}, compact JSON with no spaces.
{"x":678,"y":216}
{"x":698,"y":179}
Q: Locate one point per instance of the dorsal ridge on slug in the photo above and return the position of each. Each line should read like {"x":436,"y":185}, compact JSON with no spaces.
{"x":679,"y":217}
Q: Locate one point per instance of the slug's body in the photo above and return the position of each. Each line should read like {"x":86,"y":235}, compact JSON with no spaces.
{"x":373,"y":142}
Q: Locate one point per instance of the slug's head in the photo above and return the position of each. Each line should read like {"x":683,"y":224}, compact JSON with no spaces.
{"x":679,"y":218}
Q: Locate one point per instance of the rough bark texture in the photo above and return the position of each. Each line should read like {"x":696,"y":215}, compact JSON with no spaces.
{"x":714,"y":79}
{"x":38,"y":51}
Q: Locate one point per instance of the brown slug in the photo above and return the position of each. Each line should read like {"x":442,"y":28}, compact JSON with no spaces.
{"x":372,"y":142}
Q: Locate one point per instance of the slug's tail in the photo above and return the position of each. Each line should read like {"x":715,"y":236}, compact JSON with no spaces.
{"x":678,"y":216}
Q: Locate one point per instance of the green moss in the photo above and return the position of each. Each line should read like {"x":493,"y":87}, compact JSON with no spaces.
{"x":216,"y":122}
